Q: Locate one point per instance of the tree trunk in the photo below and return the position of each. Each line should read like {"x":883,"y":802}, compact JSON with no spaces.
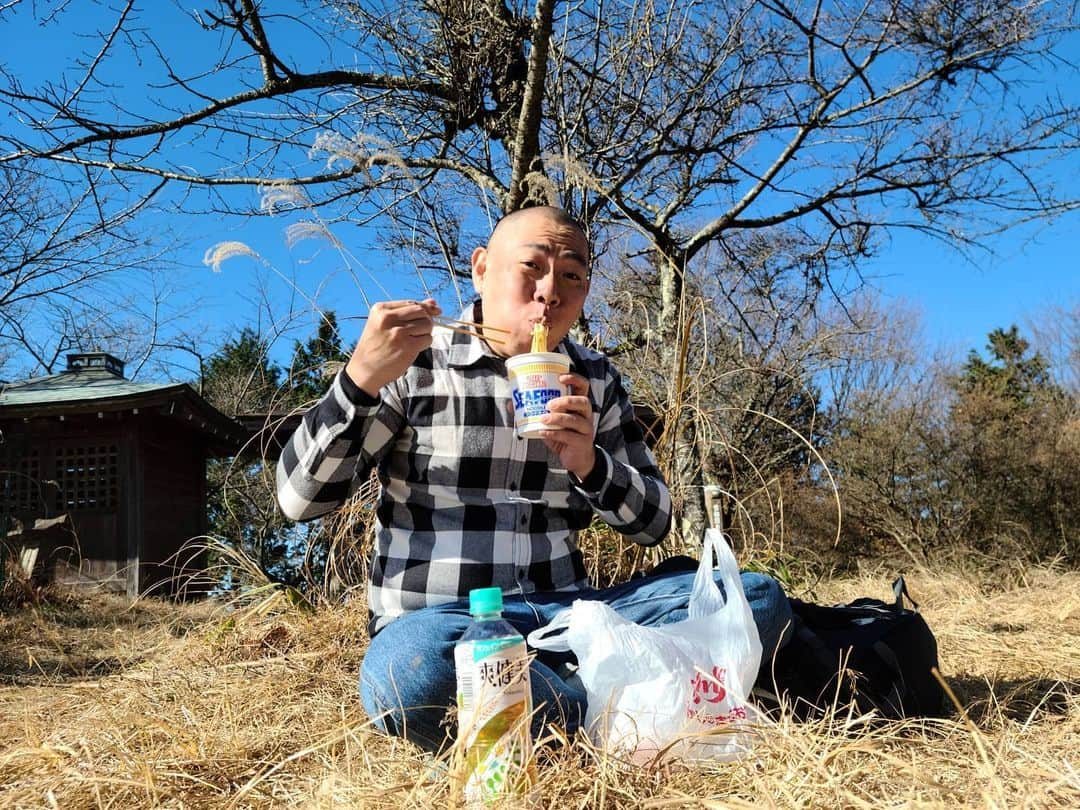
{"x":685,"y":467}
{"x":526,"y":144}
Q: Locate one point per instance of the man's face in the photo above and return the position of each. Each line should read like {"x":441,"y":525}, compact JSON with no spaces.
{"x":533,"y":268}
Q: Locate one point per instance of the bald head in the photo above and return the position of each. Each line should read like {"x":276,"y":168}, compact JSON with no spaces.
{"x":548,"y":212}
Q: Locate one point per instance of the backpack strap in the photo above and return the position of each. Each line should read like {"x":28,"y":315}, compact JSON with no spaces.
{"x":900,"y":591}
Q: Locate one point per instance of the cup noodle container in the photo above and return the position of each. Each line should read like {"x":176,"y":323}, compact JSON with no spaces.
{"x":534,"y":381}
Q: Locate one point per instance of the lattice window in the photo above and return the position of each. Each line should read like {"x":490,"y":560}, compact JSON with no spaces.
{"x":87,"y":476}
{"x":21,"y":487}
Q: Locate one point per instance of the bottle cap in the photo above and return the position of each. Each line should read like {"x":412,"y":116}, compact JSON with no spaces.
{"x":485,"y":600}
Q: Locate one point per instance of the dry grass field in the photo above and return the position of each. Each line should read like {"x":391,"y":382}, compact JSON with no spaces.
{"x":103,"y":704}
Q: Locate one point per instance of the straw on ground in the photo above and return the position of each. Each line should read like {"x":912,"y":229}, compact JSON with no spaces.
{"x":161,"y":705}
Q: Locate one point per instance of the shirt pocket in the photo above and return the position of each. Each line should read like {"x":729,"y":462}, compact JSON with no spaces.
{"x":543,"y":478}
{"x":449,"y":450}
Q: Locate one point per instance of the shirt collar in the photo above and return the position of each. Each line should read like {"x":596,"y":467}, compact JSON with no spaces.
{"x":468,"y":350}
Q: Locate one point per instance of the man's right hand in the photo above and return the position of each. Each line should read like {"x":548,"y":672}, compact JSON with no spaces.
{"x":395,"y":333}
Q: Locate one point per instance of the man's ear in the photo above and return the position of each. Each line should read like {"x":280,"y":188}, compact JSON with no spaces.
{"x":479,"y":267}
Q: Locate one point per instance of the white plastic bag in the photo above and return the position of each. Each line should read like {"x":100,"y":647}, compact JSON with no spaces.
{"x":676,"y":690}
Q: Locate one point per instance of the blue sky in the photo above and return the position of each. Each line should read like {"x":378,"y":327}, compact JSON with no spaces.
{"x":961,"y":298}
{"x":964,"y":297}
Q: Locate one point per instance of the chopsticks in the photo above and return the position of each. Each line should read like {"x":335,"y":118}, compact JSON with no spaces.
{"x":470,"y":328}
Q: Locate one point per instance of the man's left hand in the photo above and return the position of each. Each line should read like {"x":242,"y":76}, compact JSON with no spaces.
{"x":571,"y":433}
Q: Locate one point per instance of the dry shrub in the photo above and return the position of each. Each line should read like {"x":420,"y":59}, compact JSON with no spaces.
{"x":609,"y":557}
{"x":206,"y":707}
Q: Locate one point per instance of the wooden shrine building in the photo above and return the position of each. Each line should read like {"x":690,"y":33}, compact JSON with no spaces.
{"x":124,"y":461}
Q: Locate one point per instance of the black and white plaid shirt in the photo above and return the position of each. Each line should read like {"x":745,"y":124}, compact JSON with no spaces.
{"x":465,"y":503}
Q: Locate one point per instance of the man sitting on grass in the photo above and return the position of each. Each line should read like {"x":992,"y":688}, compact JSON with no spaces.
{"x":466,"y":503}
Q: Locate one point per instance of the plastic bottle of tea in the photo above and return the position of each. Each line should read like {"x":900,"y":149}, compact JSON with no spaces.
{"x":494,"y":706}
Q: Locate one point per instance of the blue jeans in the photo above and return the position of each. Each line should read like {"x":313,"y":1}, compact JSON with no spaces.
{"x":407,"y":679}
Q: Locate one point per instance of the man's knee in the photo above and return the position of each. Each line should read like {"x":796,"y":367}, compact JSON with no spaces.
{"x":761,"y":588}
{"x":771,"y":609}
{"x":407,"y":676}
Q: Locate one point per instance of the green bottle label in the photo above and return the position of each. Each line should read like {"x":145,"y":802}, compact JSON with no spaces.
{"x":494,"y":705}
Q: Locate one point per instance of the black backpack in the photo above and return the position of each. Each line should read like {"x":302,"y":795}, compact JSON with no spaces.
{"x":868,"y":655}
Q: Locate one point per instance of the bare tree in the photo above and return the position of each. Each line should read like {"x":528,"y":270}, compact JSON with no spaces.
{"x":74,"y":273}
{"x":693,"y":124}
{"x":687,"y":135}
{"x":1056,"y":332}
{"x":889,"y":445}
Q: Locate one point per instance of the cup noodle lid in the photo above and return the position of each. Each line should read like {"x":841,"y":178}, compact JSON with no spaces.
{"x":529,"y":358}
